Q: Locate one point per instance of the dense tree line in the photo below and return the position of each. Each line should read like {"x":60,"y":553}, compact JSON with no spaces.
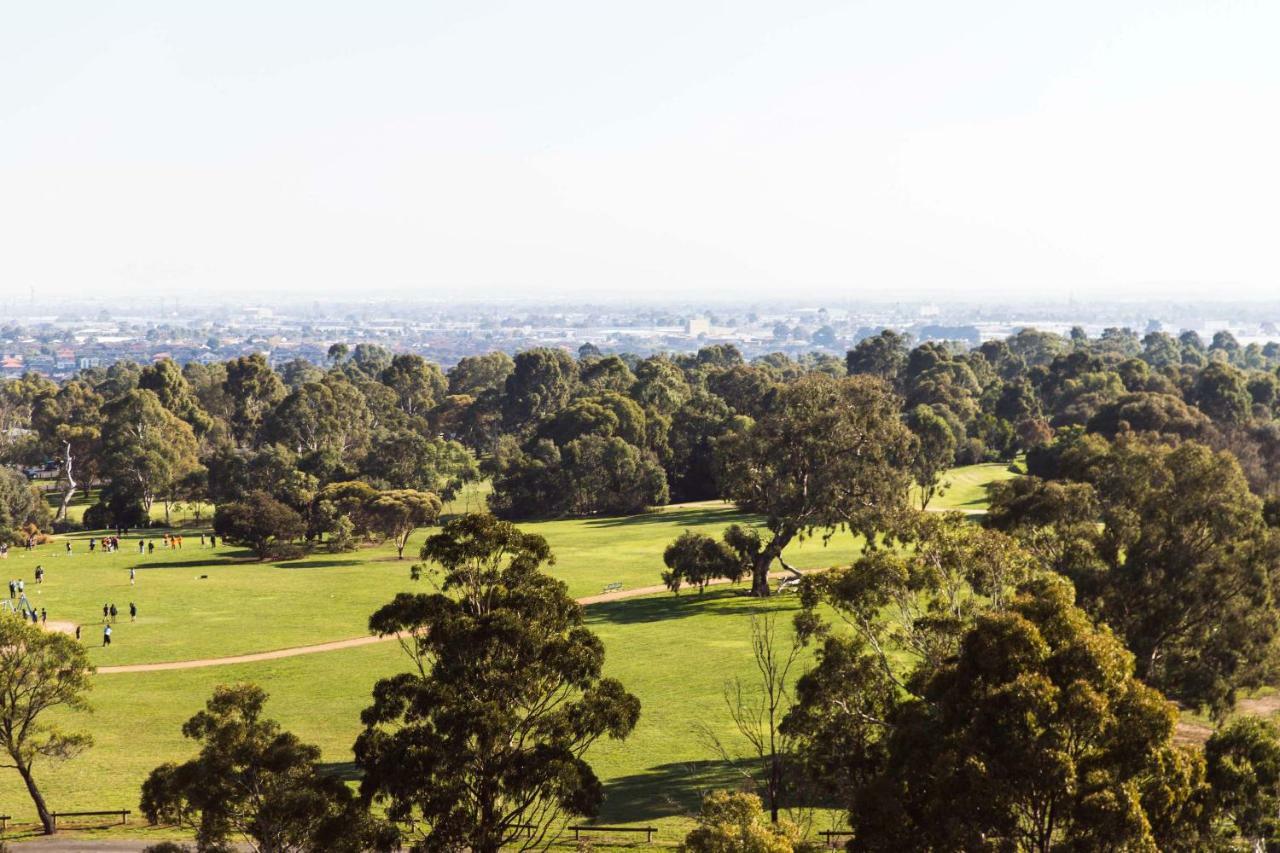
{"x":1008,"y":685}
{"x":598,"y":434}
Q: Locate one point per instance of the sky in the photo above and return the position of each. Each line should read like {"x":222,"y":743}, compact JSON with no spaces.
{"x":640,"y":150}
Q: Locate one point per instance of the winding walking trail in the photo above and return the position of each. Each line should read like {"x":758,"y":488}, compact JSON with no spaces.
{"x":335,"y":645}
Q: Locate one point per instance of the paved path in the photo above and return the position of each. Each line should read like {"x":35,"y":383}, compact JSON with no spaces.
{"x":355,"y":641}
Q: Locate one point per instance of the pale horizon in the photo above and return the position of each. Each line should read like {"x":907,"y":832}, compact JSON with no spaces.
{"x":573,"y":151}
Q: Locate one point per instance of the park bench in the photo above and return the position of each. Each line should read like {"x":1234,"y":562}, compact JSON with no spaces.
{"x":124,"y":815}
{"x":4,"y":821}
{"x":612,"y":587}
{"x":647,"y":830}
{"x":829,"y":836}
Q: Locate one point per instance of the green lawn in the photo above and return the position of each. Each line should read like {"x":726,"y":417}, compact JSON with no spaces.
{"x":674,"y":652}
{"x":215,"y":602}
{"x":966,"y":487}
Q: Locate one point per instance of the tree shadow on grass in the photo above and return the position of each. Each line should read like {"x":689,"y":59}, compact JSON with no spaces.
{"x":658,"y":608}
{"x":343,"y":770}
{"x":727,"y":515}
{"x":668,"y":790}
{"x":233,"y":558}
{"x":677,"y":789}
{"x":315,"y":564}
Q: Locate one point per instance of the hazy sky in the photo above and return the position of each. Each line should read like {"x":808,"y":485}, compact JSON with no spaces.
{"x":485,"y":149}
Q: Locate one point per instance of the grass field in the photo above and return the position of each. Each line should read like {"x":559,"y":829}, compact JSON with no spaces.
{"x":966,"y":488}
{"x":674,"y":652}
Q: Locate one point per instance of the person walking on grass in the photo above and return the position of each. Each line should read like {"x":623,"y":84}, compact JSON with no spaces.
{"x":141,"y":544}
{"x":22,"y":586}
{"x":114,"y":613}
{"x":202,"y":539}
{"x":106,"y":635}
{"x":133,"y":575}
{"x":92,"y":543}
{"x":68,"y":547}
{"x":151,"y":547}
{"x":13,"y":589}
{"x":77,"y":633}
{"x":106,"y":611}
{"x":133,"y":612}
{"x":44,"y":616}
{"x":39,"y":574}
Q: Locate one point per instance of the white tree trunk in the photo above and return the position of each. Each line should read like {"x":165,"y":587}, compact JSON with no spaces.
{"x":67,"y":459}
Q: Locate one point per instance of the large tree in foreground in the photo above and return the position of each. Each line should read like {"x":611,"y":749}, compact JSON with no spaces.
{"x":40,"y":673}
{"x":1035,"y":736}
{"x":826,"y":453}
{"x":1183,"y":565}
{"x":255,"y":783}
{"x":484,"y":736}
{"x":1243,"y":761}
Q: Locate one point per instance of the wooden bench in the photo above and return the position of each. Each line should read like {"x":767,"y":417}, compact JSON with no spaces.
{"x":647,"y":830}
{"x":4,"y":821}
{"x":612,"y":587}
{"x":830,"y":834}
{"x":124,"y":815}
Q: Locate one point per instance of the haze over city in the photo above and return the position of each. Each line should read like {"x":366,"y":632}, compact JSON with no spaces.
{"x":576,"y":150}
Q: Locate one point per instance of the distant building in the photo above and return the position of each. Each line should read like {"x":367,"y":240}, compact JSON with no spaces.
{"x":696,"y":326}
{"x":85,"y":362}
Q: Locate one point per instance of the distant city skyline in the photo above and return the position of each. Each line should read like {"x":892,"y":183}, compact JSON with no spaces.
{"x":576,"y":151}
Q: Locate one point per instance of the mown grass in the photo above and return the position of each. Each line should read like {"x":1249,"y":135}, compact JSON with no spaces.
{"x":216,"y":602}
{"x":674,"y":652}
{"x":965,"y":488}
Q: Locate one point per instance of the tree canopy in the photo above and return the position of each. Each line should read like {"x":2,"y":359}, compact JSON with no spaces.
{"x":485,"y":735}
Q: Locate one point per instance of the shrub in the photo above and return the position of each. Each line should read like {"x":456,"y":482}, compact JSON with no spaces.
{"x":66,"y":525}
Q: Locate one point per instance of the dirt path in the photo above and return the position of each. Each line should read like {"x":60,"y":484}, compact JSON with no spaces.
{"x":347,"y":644}
{"x":1189,"y":731}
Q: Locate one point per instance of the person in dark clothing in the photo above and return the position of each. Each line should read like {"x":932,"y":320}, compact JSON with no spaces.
{"x":106,"y":611}
{"x":114,"y":613}
{"x":151,"y":547}
{"x":13,"y":589}
{"x":44,"y":616}
{"x":77,"y":633}
{"x":106,"y":635}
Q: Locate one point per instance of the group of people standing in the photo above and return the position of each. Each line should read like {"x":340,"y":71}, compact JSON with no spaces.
{"x":109,"y":544}
{"x":109,"y":614}
{"x":25,"y":609}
